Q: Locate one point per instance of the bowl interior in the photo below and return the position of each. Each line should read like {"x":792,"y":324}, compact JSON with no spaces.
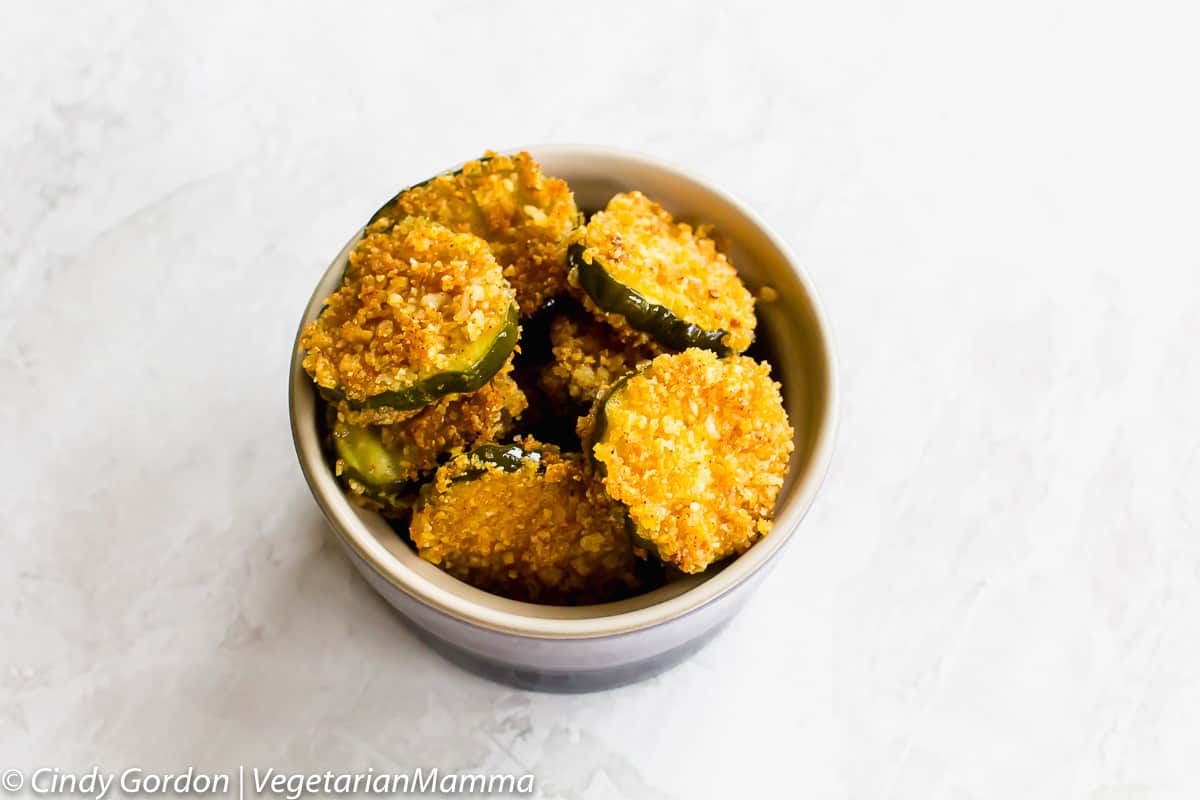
{"x":792,"y":330}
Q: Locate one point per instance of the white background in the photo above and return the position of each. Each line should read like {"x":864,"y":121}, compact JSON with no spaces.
{"x":997,"y":593}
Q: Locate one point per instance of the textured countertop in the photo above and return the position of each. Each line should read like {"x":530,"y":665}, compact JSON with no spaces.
{"x":997,"y":593}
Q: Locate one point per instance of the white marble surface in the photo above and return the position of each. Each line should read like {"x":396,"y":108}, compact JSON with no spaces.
{"x":997,"y":594}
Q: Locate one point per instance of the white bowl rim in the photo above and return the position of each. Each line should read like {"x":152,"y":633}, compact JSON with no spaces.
{"x":511,"y":616}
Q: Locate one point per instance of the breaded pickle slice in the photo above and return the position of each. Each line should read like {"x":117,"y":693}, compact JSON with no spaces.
{"x":526,"y":522}
{"x":646,"y":274}
{"x":587,"y":358}
{"x":696,"y":447}
{"x":374,"y":477}
{"x":422,"y":312}
{"x":384,"y":462}
{"x":525,"y":216}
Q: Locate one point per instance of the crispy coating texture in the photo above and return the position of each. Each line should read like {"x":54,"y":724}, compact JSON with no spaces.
{"x":382,"y":415}
{"x":544,"y":533}
{"x":456,"y":423}
{"x":697,"y":448}
{"x":448,"y":427}
{"x":414,"y":297}
{"x":685,"y":458}
{"x":588,"y":357}
{"x":526,"y":217}
{"x":639,"y":244}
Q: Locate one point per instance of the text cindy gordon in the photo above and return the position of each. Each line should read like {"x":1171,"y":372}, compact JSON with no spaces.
{"x":259,"y":782}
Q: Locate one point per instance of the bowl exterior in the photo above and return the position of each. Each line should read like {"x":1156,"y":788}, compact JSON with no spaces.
{"x":562,"y":665}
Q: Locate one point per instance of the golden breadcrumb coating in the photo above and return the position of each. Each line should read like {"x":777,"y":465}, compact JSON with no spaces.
{"x":448,"y":427}
{"x":685,"y":453}
{"x":415,"y":296}
{"x":588,"y":357}
{"x":456,"y":423}
{"x":636,"y":241}
{"x":697,"y":448}
{"x":382,"y":415}
{"x":525,"y":216}
{"x":543,"y":533}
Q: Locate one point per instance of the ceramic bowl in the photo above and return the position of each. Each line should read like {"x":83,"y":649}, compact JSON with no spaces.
{"x":556,"y":648}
